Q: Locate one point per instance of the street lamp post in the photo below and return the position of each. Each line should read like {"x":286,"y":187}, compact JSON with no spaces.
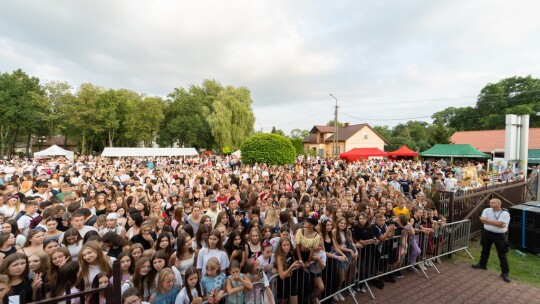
{"x":336,"y":130}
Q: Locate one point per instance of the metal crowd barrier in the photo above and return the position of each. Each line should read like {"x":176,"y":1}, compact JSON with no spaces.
{"x":376,"y":263}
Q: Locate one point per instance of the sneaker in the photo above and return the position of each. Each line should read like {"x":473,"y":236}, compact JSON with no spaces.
{"x":363,"y":289}
{"x":422,"y":266}
{"x":412,"y":269}
{"x":340,"y":297}
{"x":335,"y":298}
{"x":351,"y":292}
{"x":398,"y":275}
{"x":429,"y":263}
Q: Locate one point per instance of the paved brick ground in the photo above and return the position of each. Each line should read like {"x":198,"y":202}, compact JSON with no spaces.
{"x":457,"y":283}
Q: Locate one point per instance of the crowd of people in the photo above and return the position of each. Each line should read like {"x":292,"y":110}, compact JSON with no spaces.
{"x":188,"y":230}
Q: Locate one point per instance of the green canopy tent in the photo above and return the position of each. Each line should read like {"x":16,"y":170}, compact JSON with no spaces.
{"x":534,"y":156}
{"x":454,"y":150}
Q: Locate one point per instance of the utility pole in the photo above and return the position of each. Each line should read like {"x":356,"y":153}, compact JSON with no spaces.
{"x":336,"y":130}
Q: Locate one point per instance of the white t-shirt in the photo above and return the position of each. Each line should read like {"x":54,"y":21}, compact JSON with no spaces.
{"x":205,"y":254}
{"x":24,"y":222}
{"x":501,"y":215}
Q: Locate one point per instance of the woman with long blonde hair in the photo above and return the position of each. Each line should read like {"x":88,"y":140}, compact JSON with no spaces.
{"x":272,"y":217}
{"x":93,"y":261}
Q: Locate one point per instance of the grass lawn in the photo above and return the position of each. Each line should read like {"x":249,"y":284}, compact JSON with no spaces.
{"x":525,"y":269}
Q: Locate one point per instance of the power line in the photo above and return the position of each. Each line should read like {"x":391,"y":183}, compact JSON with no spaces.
{"x":385,"y":119}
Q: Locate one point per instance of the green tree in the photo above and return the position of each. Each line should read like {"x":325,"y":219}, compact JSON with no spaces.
{"x":143,"y":120}
{"x":332,"y":123}
{"x":107,"y":106}
{"x":23,"y":108}
{"x":267,"y":148}
{"x":277,"y":131}
{"x":232,"y":120}
{"x":439,"y":134}
{"x":82,"y":119}
{"x":185,"y":120}
{"x":384,"y":131}
{"x":299,"y":134}
{"x":298,"y":145}
{"x":58,"y":95}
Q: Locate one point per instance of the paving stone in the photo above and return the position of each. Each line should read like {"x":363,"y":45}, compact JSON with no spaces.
{"x":457,"y":283}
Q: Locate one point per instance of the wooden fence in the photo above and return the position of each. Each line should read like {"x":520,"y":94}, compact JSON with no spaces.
{"x":462,"y":205}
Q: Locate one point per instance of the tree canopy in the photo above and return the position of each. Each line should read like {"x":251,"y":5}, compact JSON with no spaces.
{"x":206,"y":116}
{"x":514,"y":95}
{"x":268,"y":148}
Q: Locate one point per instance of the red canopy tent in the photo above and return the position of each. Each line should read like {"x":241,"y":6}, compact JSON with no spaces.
{"x":362,"y":153}
{"x":403,"y":152}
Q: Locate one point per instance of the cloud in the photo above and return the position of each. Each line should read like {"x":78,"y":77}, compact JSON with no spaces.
{"x":383,"y":60}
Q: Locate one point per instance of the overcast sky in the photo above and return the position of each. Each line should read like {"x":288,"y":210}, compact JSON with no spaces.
{"x":386,"y":61}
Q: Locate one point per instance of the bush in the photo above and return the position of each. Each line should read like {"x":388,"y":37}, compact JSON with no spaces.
{"x":226,"y":150}
{"x":267,"y":148}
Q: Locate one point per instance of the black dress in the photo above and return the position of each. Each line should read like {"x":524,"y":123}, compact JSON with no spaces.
{"x":25,"y":285}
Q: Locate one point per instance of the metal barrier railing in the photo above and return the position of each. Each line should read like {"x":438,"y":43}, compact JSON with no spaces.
{"x":376,"y":263}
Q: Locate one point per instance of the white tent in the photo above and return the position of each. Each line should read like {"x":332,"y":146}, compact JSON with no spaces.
{"x":54,"y":150}
{"x":119,"y":152}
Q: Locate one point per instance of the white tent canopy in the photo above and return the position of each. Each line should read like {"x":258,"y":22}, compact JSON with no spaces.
{"x":54,"y":150}
{"x":119,"y":152}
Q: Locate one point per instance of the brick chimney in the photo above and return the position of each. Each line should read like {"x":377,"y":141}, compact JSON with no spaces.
{"x":346,"y":124}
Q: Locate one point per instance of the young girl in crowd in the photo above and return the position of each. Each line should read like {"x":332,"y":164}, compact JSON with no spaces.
{"x":93,"y":261}
{"x":67,"y":273}
{"x":34,"y":242}
{"x":343,"y":241}
{"x":127,"y":265}
{"x":191,"y":293}
{"x":73,"y":241}
{"x":7,"y":245}
{"x":38,"y":265}
{"x":236,"y":283}
{"x":261,"y":285}
{"x":164,"y":242}
{"x":318,"y":263}
{"x":139,"y":277}
{"x":363,"y":234}
{"x":136,"y":251}
{"x":266,"y":259}
{"x":185,"y":255}
{"x":167,"y":289}
{"x":286,"y":267}
{"x":215,"y":249}
{"x":101,"y":280}
{"x":253,"y":245}
{"x":213,"y":282}
{"x":159,"y":261}
{"x":235,"y":248}
{"x":59,"y":258}
{"x":50,"y":246}
{"x":16,"y":267}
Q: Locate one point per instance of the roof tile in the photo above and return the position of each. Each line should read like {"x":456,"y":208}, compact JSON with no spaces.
{"x":492,"y":140}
